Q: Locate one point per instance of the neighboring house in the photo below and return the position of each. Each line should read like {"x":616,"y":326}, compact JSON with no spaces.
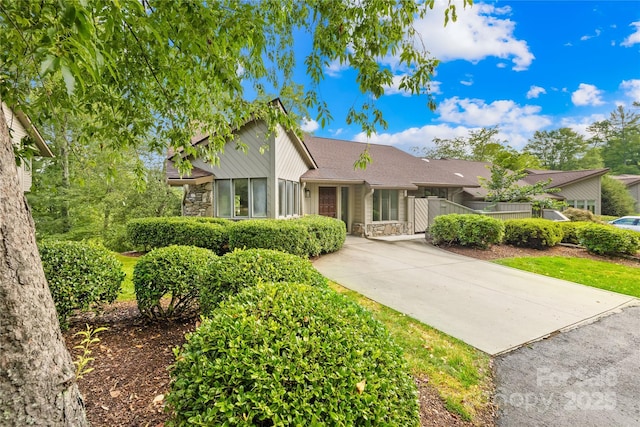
{"x":20,"y":127}
{"x":632,"y":182}
{"x":397,"y":193}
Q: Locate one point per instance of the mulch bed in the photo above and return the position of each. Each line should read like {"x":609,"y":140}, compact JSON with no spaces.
{"x":131,"y":363}
{"x":131,"y":376}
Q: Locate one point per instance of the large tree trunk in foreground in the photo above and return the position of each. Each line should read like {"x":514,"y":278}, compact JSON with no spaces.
{"x":37,"y":376}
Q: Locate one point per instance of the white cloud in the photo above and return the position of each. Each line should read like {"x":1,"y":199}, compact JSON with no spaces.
{"x":631,"y":89}
{"x":309,"y":125}
{"x":504,"y":113}
{"x":535,"y":91}
{"x":481,"y":31}
{"x":415,"y":137}
{"x":587,"y":37}
{"x":580,"y":124}
{"x":587,"y":95}
{"x":634,"y":38}
{"x":467,"y":82}
{"x":335,"y":68}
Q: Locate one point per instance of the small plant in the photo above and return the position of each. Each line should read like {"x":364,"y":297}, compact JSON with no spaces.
{"x":89,"y":339}
{"x":579,"y":215}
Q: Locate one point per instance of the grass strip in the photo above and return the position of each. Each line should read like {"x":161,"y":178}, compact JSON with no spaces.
{"x":598,"y":274}
{"x":460,"y":373}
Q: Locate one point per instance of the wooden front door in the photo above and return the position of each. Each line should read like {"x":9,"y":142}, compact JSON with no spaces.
{"x":327,"y":203}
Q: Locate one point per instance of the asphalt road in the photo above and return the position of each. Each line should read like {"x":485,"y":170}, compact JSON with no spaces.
{"x":589,"y":376}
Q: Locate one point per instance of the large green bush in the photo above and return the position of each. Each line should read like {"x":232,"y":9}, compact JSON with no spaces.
{"x":606,"y":239}
{"x":281,"y":354}
{"x":290,"y":236}
{"x":467,"y":230}
{"x":244,"y":268}
{"x":532,"y":233}
{"x":81,"y":276}
{"x":175,"y":272}
{"x":151,"y":233}
{"x":329,"y":232}
{"x":616,"y":200}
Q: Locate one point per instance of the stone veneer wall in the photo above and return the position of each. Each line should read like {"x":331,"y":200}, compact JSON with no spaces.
{"x":198,"y":200}
{"x":380,"y":229}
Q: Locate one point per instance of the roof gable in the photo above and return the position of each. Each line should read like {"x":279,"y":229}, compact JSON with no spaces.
{"x":562,"y":178}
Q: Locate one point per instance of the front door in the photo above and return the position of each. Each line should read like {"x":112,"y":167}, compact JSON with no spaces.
{"x":327,"y":203}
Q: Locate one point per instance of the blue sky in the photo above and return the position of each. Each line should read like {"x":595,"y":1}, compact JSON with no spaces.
{"x":521,"y":65}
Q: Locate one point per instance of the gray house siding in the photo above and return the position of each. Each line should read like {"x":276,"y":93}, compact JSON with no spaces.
{"x":583,"y":192}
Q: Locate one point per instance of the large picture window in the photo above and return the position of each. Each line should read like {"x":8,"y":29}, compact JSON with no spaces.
{"x":241,"y":198}
{"x":385,"y":205}
{"x":288,"y":198}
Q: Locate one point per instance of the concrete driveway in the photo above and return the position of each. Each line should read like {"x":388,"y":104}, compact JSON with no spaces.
{"x":490,"y":307}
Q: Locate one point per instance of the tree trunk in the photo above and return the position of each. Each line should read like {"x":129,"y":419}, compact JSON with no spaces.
{"x":66,"y":180}
{"x":37,"y":376}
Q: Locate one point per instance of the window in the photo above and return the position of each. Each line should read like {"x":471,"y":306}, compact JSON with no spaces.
{"x":589,"y":205}
{"x":385,"y":205}
{"x":436,"y":191}
{"x":241,"y":197}
{"x":288,"y":198}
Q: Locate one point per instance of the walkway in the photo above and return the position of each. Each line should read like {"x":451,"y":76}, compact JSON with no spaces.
{"x":490,"y":307}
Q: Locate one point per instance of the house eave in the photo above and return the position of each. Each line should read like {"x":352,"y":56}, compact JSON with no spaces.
{"x":178,"y":182}
{"x":43,"y":148}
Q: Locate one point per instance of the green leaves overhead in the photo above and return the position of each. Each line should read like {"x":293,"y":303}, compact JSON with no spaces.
{"x":174,"y":69}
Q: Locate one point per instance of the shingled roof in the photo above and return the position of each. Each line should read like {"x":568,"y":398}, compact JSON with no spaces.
{"x":562,"y":178}
{"x":627,"y":179}
{"x":390,"y":168}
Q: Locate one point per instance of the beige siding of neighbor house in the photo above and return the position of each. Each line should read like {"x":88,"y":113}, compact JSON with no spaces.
{"x":17,"y":132}
{"x":588,"y":189}
{"x":357,"y":196}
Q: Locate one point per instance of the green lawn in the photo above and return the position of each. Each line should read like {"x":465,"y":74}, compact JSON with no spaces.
{"x":599,"y":274}
{"x":459,"y":372}
{"x":127,"y":292}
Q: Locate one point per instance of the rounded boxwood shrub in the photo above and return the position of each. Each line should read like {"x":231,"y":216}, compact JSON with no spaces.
{"x":467,"y":230}
{"x":445,"y":229}
{"x":329,"y":232}
{"x":244,"y":268}
{"x":281,"y":354}
{"x":532,"y":233}
{"x":151,"y":233}
{"x":81,"y":276}
{"x":290,"y":236}
{"x":176,"y":272}
{"x":604,"y":239}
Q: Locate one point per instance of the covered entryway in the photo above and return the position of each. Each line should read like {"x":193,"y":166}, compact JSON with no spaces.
{"x":328,"y":202}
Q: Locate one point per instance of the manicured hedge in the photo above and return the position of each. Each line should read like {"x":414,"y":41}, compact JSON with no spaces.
{"x":282,"y":354}
{"x":81,"y":276}
{"x":151,"y":233}
{"x":177,"y":272}
{"x":244,"y":268}
{"x":606,"y":239}
{"x":466,"y":230}
{"x":283,"y":235}
{"x":570,"y":230}
{"x":329,"y":232}
{"x":532,"y":233}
